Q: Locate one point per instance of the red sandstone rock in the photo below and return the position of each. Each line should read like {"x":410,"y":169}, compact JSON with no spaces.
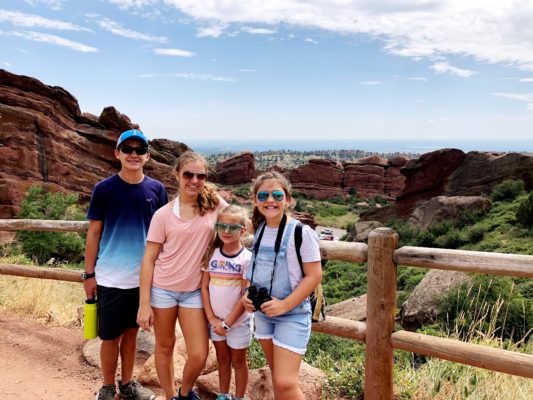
{"x":320,"y":179}
{"x":236,"y":170}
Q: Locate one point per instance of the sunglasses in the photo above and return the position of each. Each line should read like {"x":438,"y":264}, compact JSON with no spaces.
{"x":190,"y":175}
{"x":277,"y":195}
{"x":231,"y":228}
{"x":140,"y":151}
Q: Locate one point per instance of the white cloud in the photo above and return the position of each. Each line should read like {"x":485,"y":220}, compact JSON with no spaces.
{"x":192,"y":76}
{"x":371,"y":83}
{"x":35,"y":21}
{"x":117,"y":29}
{"x":174,"y":52}
{"x":526,"y":80}
{"x":126,"y":4}
{"x":210,"y":31}
{"x":53,"y":4}
{"x":259,"y":31}
{"x":5,"y":63}
{"x":491,"y":31}
{"x":56,"y":40}
{"x":309,"y":40}
{"x":417,"y":78}
{"x":246,"y":70}
{"x":525,"y":97}
{"x":444,"y":67}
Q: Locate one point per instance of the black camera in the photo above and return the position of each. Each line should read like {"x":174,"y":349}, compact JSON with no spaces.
{"x":258,"y":296}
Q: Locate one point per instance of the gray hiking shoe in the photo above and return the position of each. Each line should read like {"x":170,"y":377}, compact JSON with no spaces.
{"x":107,"y":392}
{"x":134,"y":391}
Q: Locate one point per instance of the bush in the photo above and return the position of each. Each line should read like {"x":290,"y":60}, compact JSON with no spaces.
{"x":524,"y":215}
{"x":507,"y":190}
{"x":492,"y":305}
{"x":43,"y":246}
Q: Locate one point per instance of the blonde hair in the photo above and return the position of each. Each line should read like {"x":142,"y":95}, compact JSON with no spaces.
{"x":232,"y":210}
{"x":257,"y":217}
{"x":207,"y":199}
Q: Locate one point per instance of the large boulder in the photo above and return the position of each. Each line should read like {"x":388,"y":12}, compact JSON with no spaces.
{"x":368,"y":180}
{"x":354,"y":309}
{"x":421,"y":307}
{"x":426,"y":177}
{"x":360,"y":230}
{"x":452,"y":208}
{"x":480,"y":172}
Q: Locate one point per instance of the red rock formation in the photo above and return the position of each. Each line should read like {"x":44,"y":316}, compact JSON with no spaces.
{"x":480,"y":172}
{"x":45,"y":139}
{"x":235,"y":170}
{"x":368,"y":180}
{"x":426,"y":177}
{"x":320,"y":179}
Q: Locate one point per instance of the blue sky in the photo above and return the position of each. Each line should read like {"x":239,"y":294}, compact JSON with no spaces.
{"x":286,"y":69}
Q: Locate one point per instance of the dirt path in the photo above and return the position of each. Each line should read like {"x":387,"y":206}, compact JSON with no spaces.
{"x":43,"y":361}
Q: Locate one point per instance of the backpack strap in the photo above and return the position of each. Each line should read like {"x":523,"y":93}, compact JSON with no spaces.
{"x":298,"y":244}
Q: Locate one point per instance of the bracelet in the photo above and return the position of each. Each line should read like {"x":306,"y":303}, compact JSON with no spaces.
{"x":225,"y":326}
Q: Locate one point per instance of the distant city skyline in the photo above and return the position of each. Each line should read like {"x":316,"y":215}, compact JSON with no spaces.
{"x":192,"y":70}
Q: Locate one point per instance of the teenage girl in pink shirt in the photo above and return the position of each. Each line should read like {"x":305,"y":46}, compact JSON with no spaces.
{"x":178,"y":237}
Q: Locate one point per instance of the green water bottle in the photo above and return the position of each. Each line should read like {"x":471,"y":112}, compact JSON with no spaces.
{"x":90,"y":319}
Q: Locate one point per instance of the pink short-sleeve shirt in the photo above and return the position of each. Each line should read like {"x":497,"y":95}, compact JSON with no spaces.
{"x":184,"y":242}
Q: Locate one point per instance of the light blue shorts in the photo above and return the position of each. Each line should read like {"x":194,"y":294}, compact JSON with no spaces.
{"x":163,"y":298}
{"x":290,"y":331}
{"x":238,"y":337}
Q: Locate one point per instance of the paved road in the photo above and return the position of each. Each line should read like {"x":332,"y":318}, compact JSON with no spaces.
{"x":337,"y":233}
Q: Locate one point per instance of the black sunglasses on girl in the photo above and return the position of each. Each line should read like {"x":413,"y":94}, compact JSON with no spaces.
{"x":277,"y":195}
{"x":190,"y":175}
{"x":140,"y":151}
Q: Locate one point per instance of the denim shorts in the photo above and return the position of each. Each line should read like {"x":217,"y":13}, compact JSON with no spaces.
{"x":238,"y":337}
{"x":163,"y":298}
{"x":290,"y":331}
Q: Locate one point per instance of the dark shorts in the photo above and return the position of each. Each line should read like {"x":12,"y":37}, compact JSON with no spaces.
{"x":117,"y":311}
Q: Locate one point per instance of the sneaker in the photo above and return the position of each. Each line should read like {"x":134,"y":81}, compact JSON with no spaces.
{"x":134,"y":391}
{"x":222,"y":396}
{"x":193,"y":395}
{"x":107,"y":392}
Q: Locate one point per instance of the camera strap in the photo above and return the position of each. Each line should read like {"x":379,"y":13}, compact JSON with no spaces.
{"x":277,"y":245}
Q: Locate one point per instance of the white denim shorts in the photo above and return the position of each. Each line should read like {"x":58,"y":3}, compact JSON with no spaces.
{"x":238,"y":337}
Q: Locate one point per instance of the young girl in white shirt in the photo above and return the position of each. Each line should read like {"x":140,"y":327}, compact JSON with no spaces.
{"x":225,"y":265}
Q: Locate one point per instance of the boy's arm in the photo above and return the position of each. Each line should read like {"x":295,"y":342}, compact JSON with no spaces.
{"x":92,"y":244}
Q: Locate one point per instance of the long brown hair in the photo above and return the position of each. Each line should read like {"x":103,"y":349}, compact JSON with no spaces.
{"x":257,"y":217}
{"x":207,"y":199}
{"x":233,"y":210}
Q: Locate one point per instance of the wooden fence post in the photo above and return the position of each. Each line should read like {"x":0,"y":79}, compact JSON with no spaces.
{"x":381,"y":308}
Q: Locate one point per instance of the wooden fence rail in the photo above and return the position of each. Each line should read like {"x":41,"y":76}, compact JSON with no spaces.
{"x":378,"y":332}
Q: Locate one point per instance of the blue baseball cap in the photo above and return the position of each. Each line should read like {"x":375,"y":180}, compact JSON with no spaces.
{"x":132,"y":134}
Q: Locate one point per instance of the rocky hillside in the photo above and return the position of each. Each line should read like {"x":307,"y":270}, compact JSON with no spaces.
{"x":45,"y":138}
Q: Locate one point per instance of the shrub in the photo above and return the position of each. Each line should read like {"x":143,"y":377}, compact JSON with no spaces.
{"x":474,"y":233}
{"x":524,"y":215}
{"x":43,"y":246}
{"x":492,"y":305}
{"x":507,"y":190}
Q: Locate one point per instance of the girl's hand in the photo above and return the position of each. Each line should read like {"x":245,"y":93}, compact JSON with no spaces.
{"x":274,"y":307}
{"x":219,"y":330}
{"x":248,"y":305}
{"x":145,"y":317}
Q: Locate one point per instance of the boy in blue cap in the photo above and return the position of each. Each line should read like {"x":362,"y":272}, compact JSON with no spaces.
{"x":120,"y":211}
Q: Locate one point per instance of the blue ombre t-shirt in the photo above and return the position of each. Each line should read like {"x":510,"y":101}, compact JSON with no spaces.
{"x":126,"y":211}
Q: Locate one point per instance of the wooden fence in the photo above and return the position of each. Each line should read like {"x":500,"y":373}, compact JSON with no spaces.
{"x":382,"y":256}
